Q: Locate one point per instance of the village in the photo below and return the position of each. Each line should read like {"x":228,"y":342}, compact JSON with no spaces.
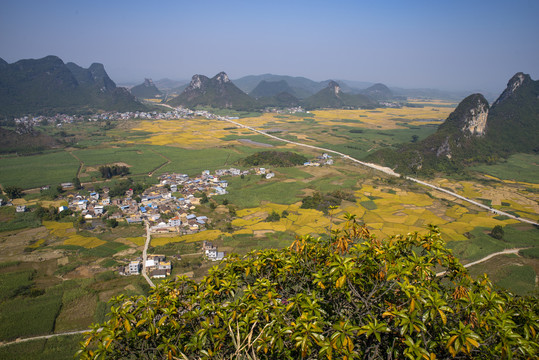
{"x":167,"y":207}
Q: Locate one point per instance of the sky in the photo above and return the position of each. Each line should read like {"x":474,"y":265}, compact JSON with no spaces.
{"x":443,"y":44}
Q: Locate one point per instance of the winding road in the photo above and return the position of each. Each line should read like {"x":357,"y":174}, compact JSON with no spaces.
{"x":145,"y":256}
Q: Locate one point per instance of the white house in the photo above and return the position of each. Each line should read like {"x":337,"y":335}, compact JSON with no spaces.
{"x":175,"y":221}
{"x":98,"y":210}
{"x":134,"y":267}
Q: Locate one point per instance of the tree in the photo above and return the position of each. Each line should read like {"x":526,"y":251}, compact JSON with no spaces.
{"x":274,"y":216}
{"x":13,"y":192}
{"x":76,"y":183}
{"x":415,"y":138}
{"x":497,"y":232}
{"x":204,"y":198}
{"x":349,"y":296}
{"x":112,"y":223}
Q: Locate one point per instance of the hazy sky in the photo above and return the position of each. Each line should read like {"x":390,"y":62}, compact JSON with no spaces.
{"x":446,"y":44}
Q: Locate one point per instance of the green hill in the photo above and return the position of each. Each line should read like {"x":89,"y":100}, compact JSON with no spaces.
{"x":271,"y":88}
{"x":281,"y":100}
{"x":146,"y":90}
{"x":378,"y":92}
{"x":475,"y":132}
{"x":47,"y":86}
{"x":333,"y":97}
{"x":217,"y":92}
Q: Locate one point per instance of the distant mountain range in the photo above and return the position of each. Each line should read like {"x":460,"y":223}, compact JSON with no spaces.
{"x":48,"y":86}
{"x":220,"y":92}
{"x":146,"y":90}
{"x":475,"y":132}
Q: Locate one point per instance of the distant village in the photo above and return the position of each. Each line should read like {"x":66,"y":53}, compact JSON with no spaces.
{"x":176,"y":113}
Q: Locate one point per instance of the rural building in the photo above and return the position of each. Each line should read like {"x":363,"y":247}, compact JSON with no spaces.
{"x":134,"y":267}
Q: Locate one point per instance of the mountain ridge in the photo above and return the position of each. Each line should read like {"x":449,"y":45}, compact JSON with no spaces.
{"x":48,"y":85}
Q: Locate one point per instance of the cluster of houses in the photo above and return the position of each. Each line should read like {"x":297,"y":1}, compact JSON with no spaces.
{"x":157,"y":266}
{"x":156,"y":203}
{"x":324,"y":159}
{"x":177,"y":113}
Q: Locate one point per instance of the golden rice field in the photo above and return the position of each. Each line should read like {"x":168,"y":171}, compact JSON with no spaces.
{"x":398,"y":213}
{"x":208,"y":235}
{"x":405,"y":212}
{"x":384,"y":118}
{"x":139,"y":240}
{"x":299,"y":221}
{"x":66,"y":230}
{"x":525,"y":204}
{"x":185,"y":133}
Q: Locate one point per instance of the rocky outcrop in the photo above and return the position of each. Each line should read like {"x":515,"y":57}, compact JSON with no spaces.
{"x":332,"y":85}
{"x":514,"y":83}
{"x":470,"y":117}
{"x":475,"y":122}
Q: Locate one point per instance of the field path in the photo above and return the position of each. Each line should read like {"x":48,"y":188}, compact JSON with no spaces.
{"x":17,"y":341}
{"x":167,"y":161}
{"x":488,"y":257}
{"x":81,"y":164}
{"x":388,"y":171}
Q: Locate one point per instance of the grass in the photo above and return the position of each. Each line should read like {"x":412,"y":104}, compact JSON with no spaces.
{"x":25,"y":317}
{"x":518,"y":167}
{"x":532,"y":253}
{"x":57,"y":348}
{"x":481,"y":244}
{"x":193,"y":162}
{"x":12,"y":284}
{"x":38,"y":170}
{"x":11,"y":220}
{"x":251,"y":190}
{"x":517,"y":279}
{"x":140,"y":159}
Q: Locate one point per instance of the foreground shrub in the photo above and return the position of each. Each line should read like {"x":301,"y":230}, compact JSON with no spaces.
{"x":351,"y":296}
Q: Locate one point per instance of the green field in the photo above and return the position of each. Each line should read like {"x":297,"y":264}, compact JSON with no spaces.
{"x":481,"y":244}
{"x":193,"y":162}
{"x":38,"y":170}
{"x":140,"y":159}
{"x":518,"y":167}
{"x":251,"y":190}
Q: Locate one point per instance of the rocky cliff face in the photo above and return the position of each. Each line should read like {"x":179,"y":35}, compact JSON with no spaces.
{"x":475,"y":119}
{"x":469,"y":118}
{"x":333,"y":86}
{"x":514,"y":83}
